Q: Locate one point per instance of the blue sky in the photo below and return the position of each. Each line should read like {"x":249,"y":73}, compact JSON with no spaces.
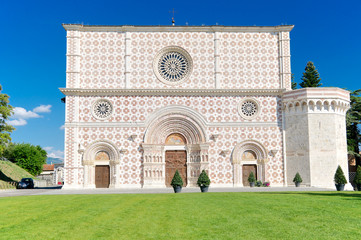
{"x":33,"y":45}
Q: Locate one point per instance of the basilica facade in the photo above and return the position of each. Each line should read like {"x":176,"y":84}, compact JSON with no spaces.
{"x":144,"y":101}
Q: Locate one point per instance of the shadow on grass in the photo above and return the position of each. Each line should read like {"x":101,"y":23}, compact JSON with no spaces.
{"x":326,"y":194}
{"x":5,"y":178}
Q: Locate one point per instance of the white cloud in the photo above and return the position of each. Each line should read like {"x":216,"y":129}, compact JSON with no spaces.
{"x":42,"y":109}
{"x":62,"y":127}
{"x":54,"y":153}
{"x":17,"y":122}
{"x":21,"y":113}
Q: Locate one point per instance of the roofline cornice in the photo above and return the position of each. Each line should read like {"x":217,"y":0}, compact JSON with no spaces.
{"x":168,"y":92}
{"x":216,"y":28}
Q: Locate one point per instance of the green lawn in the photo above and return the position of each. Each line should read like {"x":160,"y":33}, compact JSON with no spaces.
{"x":306,"y":215}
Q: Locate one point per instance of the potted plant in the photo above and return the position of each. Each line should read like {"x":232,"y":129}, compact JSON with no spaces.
{"x":259,"y":184}
{"x":339,"y":179}
{"x":203,"y":181}
{"x":297,"y":179}
{"x":251,"y":179}
{"x":357,"y":179}
{"x":177,"y":182}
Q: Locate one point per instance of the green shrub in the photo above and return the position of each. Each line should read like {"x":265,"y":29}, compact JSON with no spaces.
{"x":203,"y":179}
{"x":251,"y":177}
{"x":339,"y":177}
{"x":297,"y":178}
{"x":259,"y":184}
{"x":177,"y":180}
{"x":357,"y":179}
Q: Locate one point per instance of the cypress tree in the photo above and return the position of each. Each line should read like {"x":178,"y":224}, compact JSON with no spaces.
{"x":310,"y":77}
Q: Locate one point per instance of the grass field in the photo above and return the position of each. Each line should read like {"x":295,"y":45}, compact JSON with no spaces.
{"x":306,"y":215}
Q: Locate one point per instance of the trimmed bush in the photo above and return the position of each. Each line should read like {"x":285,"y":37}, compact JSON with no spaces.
{"x":339,"y":177}
{"x":357,"y":179}
{"x":297,"y":178}
{"x":177,"y":180}
{"x":203,"y":179}
{"x":251,"y":177}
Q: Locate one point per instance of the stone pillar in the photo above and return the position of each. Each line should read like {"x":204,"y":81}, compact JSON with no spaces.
{"x":237,"y":175}
{"x":88,"y":177}
{"x":217,"y":60}
{"x":127,"y":60}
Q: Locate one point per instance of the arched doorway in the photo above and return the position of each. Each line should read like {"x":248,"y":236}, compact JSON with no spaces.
{"x":248,"y":156}
{"x":175,"y":138}
{"x":101,"y":162}
{"x":175,"y":159}
{"x":102,"y":170}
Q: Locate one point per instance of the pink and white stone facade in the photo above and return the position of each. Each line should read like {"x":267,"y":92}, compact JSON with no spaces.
{"x":227,"y":67}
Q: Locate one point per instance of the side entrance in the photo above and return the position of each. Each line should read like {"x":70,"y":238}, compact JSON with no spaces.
{"x":246,"y":170}
{"x":102,"y":176}
{"x":175,"y":159}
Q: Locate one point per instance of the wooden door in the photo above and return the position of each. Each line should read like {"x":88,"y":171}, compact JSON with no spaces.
{"x":174,"y":160}
{"x":102,"y":179}
{"x":246,"y":170}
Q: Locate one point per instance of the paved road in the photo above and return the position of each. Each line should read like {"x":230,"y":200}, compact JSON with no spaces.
{"x":58,"y":191}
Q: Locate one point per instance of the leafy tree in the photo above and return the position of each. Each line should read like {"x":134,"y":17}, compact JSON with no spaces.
{"x":293,"y":83}
{"x":310,"y":77}
{"x":6,"y":110}
{"x":353,"y":119}
{"x":357,"y":179}
{"x":27,"y":156}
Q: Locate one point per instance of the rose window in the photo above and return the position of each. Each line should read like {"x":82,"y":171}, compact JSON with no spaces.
{"x":172,"y":65}
{"x":102,"y":109}
{"x":248,"y":108}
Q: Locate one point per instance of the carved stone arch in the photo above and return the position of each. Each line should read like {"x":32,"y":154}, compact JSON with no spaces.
{"x":101,"y":145}
{"x":168,"y":120}
{"x":89,"y":162}
{"x":255,"y":146}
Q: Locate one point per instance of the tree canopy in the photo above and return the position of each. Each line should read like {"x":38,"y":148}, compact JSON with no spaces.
{"x":27,"y":156}
{"x":6,"y":110}
{"x":353,"y":119}
{"x":310,"y":77}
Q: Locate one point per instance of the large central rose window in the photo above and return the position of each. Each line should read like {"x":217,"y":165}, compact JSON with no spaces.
{"x":172,"y":65}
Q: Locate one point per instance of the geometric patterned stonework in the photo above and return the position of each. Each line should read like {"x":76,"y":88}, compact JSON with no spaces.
{"x":220,"y":95}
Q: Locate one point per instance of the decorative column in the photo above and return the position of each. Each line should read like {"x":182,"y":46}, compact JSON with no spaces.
{"x":217,"y":60}
{"x":285,"y":59}
{"x":127,"y":60}
{"x":237,"y":176}
{"x":88,"y":174}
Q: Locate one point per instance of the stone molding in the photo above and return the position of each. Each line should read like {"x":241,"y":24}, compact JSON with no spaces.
{"x":101,"y":145}
{"x":316,"y":100}
{"x":168,"y":92}
{"x":129,"y":28}
{"x":175,"y":119}
{"x":255,"y":146}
